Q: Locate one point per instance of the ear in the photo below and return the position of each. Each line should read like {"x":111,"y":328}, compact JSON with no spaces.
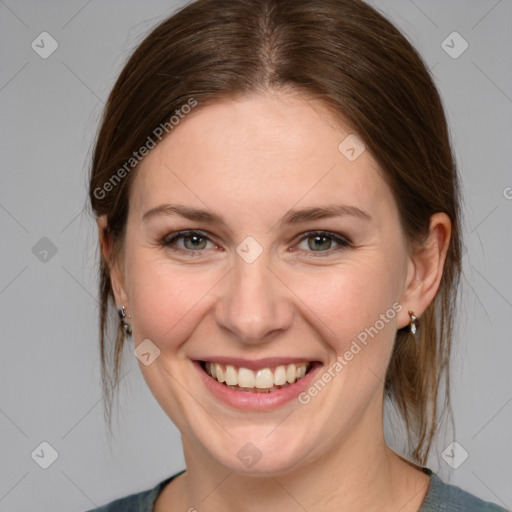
{"x":115,"y":267}
{"x":425,"y":269}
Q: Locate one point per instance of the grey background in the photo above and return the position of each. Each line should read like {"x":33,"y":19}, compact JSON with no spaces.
{"x":49,"y":375}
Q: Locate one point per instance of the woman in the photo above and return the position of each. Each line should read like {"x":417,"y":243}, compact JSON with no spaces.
{"x":278,"y":215}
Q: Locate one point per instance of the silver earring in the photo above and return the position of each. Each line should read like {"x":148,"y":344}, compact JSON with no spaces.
{"x":127,"y":328}
{"x":413,"y":326}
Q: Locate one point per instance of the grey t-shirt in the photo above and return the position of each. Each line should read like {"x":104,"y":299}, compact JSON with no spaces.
{"x":440,"y":497}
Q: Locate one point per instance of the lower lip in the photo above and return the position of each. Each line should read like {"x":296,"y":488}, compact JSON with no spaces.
{"x":254,"y":400}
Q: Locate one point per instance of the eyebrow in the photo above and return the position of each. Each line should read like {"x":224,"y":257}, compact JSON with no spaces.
{"x":291,"y":217}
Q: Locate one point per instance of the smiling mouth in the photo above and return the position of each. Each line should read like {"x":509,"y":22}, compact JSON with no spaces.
{"x":264,"y":380}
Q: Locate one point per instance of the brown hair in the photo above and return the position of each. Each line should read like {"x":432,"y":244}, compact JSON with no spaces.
{"x":348,"y":56}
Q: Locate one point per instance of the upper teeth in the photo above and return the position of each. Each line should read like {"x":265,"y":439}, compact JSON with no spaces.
{"x":263,"y":378}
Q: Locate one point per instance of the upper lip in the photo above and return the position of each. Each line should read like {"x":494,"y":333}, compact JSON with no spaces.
{"x":256,"y":364}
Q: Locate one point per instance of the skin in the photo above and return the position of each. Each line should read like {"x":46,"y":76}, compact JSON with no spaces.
{"x":250,"y":161}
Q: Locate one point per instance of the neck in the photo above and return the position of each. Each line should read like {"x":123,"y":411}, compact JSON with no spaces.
{"x":358,"y":473}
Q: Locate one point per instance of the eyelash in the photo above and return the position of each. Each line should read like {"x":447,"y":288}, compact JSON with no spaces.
{"x":343,"y":243}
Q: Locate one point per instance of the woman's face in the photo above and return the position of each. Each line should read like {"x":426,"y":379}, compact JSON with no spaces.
{"x":258,"y":289}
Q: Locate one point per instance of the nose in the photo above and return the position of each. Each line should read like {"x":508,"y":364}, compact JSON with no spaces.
{"x":254,"y":304}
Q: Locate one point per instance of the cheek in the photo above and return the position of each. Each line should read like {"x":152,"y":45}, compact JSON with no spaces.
{"x":165,"y":299}
{"x":346,"y":301}
{"x":340,"y":303}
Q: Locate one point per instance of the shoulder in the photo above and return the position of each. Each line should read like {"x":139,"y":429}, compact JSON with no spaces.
{"x":450,"y":498}
{"x":138,"y":502}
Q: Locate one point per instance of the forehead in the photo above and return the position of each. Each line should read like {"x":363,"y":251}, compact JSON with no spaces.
{"x":258,"y":155}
